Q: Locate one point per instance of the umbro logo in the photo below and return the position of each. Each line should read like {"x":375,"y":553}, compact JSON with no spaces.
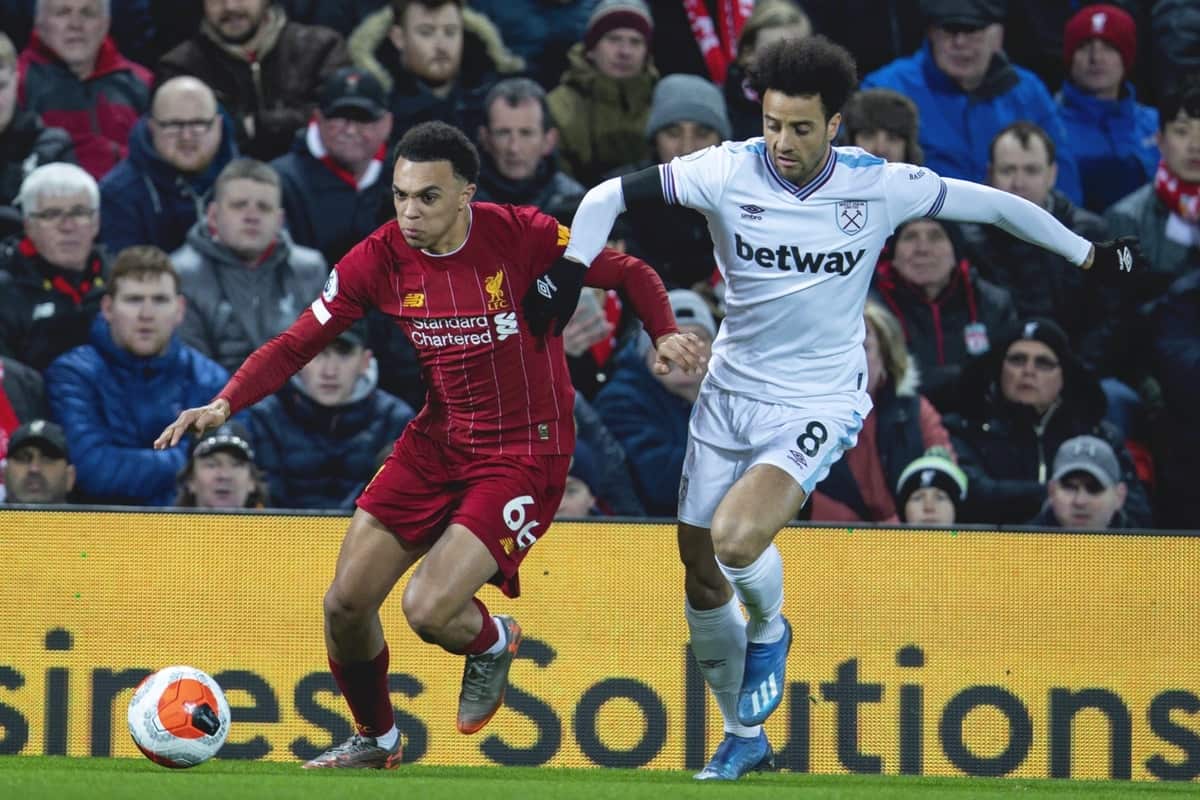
{"x":752,"y":212}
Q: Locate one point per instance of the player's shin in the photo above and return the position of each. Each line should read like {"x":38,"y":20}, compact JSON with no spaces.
{"x":364,"y":684}
{"x":759,"y":585}
{"x":718,"y":642}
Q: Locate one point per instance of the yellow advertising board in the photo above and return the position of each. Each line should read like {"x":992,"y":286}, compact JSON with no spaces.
{"x":980,"y":653}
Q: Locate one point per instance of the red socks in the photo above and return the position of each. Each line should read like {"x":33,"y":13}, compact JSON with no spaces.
{"x":487,"y":636}
{"x":364,"y":684}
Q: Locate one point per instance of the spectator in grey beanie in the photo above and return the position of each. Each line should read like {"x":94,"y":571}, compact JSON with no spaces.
{"x":687,"y":113}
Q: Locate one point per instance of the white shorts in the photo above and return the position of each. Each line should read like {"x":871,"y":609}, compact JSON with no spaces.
{"x":728,"y":434}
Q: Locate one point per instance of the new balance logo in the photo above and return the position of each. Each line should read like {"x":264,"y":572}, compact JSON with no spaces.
{"x":766,"y":692}
{"x":1125,"y":259}
{"x":789,"y":257}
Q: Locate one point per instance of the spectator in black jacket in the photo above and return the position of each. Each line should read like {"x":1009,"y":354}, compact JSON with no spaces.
{"x":1175,"y":362}
{"x":949,"y":314}
{"x":1043,"y":284}
{"x":51,"y":281}
{"x":318,"y":438}
{"x":336,"y":181}
{"x":517,"y":142}
{"x":25,"y":142}
{"x":687,"y":114}
{"x":1021,"y":403}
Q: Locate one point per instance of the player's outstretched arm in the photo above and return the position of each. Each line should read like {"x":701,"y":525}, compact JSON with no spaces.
{"x":972,"y":202}
{"x":263,"y":372}
{"x":682,"y":350}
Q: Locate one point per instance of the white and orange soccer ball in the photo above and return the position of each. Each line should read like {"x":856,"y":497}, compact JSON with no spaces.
{"x":178,"y":717}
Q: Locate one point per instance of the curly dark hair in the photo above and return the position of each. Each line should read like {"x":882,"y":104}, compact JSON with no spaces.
{"x":437,"y":141}
{"x":803,"y":67}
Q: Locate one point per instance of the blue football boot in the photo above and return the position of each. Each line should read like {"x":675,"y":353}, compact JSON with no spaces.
{"x":738,"y":755}
{"x":763,"y":679}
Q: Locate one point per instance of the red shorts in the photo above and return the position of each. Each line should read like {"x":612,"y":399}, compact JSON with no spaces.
{"x":508,"y":502}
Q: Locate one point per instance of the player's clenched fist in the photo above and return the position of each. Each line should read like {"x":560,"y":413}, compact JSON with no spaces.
{"x":195,"y":420}
{"x":684,"y":350}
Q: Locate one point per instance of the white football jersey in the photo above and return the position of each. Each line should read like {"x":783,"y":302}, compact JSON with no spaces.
{"x":797,"y":261}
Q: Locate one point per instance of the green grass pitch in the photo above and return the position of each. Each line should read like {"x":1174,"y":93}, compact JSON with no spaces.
{"x":38,"y":778}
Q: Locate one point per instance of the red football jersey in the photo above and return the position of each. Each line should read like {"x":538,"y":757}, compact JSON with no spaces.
{"x":493,"y":386}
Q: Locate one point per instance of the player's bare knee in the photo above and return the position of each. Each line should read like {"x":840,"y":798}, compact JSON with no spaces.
{"x":342,"y":610}
{"x":734,"y":541}
{"x":425,"y":613}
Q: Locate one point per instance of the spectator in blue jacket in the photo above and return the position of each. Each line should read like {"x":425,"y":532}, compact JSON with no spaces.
{"x":1111,"y":133}
{"x":649,"y":413}
{"x":114,"y":395}
{"x":175,"y":154}
{"x":967,"y":90}
{"x":320,"y":437}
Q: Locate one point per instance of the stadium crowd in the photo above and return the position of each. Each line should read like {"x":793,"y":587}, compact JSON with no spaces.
{"x":178,"y":178}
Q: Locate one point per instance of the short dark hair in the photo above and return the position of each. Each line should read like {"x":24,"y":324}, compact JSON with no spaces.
{"x":1025,"y":131}
{"x":515,"y":91}
{"x":437,"y":141}
{"x":400,"y":7}
{"x":141,"y":261}
{"x":1182,"y":97}
{"x":803,"y":67}
{"x":247,"y":169}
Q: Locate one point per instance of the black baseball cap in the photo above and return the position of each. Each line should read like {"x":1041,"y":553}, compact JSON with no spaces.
{"x":230,"y":437}
{"x":49,"y":436}
{"x":964,"y":14}
{"x":354,"y":94}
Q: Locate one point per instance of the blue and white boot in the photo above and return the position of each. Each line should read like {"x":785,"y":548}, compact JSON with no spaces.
{"x":736,"y":756}
{"x":763,"y":679}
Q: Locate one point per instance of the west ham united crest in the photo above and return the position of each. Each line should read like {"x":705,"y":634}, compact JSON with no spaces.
{"x":851,"y":215}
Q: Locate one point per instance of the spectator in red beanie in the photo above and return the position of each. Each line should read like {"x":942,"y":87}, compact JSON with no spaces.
{"x":1111,"y":134}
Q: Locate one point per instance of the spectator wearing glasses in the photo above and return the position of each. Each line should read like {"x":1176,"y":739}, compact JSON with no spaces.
{"x":1021,"y":404}
{"x":72,"y":74}
{"x":52,"y":278}
{"x":175,"y":154}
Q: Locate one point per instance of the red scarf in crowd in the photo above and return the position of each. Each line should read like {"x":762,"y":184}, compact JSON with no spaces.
{"x":719,"y":47}
{"x":93,"y":276}
{"x":1179,"y":196}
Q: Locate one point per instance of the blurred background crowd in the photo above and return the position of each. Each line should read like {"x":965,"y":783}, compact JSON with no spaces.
{"x":177,"y":177}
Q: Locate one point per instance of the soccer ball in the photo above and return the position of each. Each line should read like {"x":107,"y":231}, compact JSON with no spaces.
{"x":178,"y":717}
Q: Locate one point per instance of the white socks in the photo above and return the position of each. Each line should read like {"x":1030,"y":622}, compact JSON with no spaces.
{"x":388,"y":739}
{"x":719,"y":645}
{"x":760,"y":588}
{"x":501,"y":642}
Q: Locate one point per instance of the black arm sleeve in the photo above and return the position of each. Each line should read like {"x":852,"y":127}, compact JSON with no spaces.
{"x":642,"y":189}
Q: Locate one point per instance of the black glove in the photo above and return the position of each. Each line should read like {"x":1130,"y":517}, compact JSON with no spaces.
{"x":554,"y":296}
{"x":1117,"y":258}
